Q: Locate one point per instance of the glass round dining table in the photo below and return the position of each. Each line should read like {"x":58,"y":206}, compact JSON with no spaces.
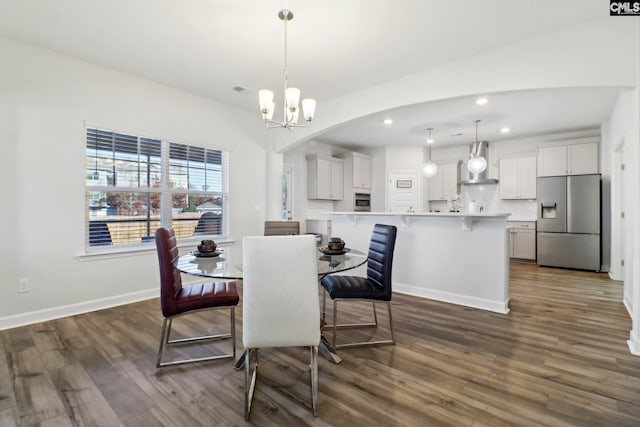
{"x":223,"y":266}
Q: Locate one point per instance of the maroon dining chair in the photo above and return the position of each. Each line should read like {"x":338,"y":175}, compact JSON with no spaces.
{"x":177,"y":301}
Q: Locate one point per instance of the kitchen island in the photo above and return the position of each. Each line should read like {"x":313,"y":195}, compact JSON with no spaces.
{"x":453,"y":257}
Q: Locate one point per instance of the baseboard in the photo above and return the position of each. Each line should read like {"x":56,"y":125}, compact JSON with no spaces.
{"x":634,"y":346}
{"x":627,"y":304}
{"x":16,"y":320}
{"x":501,"y":307}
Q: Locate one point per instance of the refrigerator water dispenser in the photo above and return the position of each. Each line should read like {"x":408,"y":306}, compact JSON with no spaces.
{"x":549,"y":210}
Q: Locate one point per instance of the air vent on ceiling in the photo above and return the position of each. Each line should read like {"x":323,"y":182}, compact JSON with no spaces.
{"x":239,"y":89}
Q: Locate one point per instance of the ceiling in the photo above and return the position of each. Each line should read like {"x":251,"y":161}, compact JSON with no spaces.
{"x":336,"y":47}
{"x":527,"y":114}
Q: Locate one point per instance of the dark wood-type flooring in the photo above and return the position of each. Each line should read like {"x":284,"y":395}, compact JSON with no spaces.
{"x":560,"y":358}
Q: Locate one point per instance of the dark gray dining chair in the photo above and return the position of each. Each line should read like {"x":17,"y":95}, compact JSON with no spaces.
{"x":376,"y":287}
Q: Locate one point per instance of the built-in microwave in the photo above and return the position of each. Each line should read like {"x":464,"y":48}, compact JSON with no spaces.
{"x":362,"y":202}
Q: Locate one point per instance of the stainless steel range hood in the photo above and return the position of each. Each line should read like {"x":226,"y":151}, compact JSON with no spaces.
{"x":479,"y":148}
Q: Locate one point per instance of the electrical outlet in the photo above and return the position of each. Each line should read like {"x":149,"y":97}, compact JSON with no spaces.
{"x":24,"y":285}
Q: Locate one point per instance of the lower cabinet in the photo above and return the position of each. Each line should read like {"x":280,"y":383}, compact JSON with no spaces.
{"x":522,"y":239}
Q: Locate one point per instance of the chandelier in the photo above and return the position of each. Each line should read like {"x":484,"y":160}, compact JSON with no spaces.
{"x":291,"y":99}
{"x":429,"y":169}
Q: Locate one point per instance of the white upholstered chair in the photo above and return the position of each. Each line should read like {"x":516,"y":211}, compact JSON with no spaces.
{"x":280,"y":303}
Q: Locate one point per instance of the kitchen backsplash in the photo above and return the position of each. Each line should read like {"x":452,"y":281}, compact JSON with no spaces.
{"x":488,"y":196}
{"x":317,"y":209}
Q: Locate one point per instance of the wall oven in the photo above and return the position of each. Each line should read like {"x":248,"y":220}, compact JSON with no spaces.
{"x":362,"y":202}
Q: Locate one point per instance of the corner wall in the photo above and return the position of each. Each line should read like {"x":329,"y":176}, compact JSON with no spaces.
{"x":46,"y":100}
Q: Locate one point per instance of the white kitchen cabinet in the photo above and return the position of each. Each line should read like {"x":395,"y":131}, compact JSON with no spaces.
{"x":522,"y":239}
{"x":324,"y":178}
{"x":361,"y":172}
{"x":572,"y":159}
{"x":518,"y":178}
{"x":357,"y":179}
{"x":582,"y":159}
{"x":446,"y":182}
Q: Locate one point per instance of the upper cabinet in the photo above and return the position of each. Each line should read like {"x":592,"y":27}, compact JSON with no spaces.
{"x":324,"y":178}
{"x":357,"y":179}
{"x":518,"y":177}
{"x":357,"y":171}
{"x":361,"y":172}
{"x":572,"y":159}
{"x":446,"y":182}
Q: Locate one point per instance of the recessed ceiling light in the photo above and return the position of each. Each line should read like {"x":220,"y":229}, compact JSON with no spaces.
{"x":388,"y":121}
{"x":481,"y":101}
{"x":505,"y":130}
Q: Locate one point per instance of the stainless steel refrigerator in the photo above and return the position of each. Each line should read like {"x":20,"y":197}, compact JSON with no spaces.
{"x":568,"y":229}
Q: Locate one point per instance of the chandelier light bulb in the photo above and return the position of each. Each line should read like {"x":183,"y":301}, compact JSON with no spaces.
{"x":293,"y":98}
{"x":270,"y":111}
{"x":266,"y":101}
{"x":308,"y":108}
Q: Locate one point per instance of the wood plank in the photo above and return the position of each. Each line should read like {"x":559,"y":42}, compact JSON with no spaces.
{"x":560,"y":357}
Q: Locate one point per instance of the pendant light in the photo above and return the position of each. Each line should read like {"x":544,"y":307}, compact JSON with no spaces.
{"x":429,"y":169}
{"x":476,"y":164}
{"x":291,"y":97}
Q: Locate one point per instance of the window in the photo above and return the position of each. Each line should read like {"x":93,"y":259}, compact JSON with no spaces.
{"x":135,"y":184}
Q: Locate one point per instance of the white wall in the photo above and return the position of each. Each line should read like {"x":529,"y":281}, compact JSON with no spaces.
{"x":618,"y":134}
{"x":632,"y":208}
{"x":46,"y":100}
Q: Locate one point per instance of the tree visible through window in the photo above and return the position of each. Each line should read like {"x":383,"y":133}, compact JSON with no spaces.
{"x":135,"y":184}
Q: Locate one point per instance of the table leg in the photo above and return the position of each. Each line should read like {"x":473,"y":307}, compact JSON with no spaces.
{"x":240,"y":362}
{"x":327,"y":351}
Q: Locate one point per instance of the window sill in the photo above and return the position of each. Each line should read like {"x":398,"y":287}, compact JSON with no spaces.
{"x":128,"y":251}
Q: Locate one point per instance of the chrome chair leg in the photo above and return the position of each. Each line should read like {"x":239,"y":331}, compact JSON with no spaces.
{"x":164,"y":338}
{"x":324,"y":305}
{"x":375,"y":315}
{"x":335,"y":323}
{"x":250,"y":376}
{"x":166,"y":341}
{"x":233,"y":330}
{"x":393,"y":340}
{"x":314,"y":380}
{"x":374,"y":324}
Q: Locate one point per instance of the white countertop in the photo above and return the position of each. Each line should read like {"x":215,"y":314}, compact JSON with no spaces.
{"x":427,"y":214}
{"x":521,"y":219}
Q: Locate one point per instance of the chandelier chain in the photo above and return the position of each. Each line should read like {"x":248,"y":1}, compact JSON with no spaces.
{"x":286,"y":76}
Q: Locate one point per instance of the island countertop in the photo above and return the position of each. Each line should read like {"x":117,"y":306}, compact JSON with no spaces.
{"x":466,"y":219}
{"x":426,"y":214}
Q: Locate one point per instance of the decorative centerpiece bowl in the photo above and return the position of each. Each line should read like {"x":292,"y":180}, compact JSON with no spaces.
{"x":207,"y":247}
{"x":335,"y":244}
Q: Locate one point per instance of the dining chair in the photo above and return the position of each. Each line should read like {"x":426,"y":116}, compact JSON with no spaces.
{"x":280,"y":303}
{"x":375,"y":287}
{"x":281,"y":228}
{"x":177,"y":300}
